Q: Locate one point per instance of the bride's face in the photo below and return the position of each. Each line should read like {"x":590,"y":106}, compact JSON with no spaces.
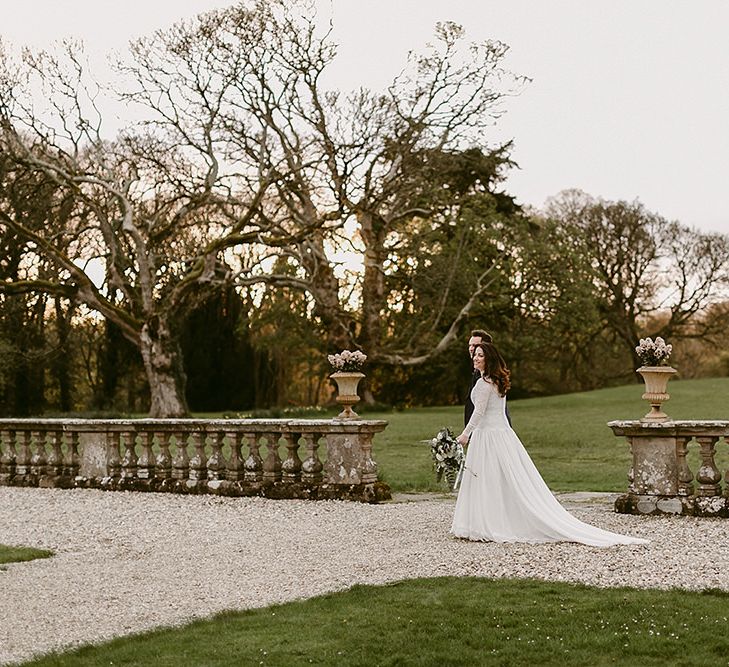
{"x":479,"y":360}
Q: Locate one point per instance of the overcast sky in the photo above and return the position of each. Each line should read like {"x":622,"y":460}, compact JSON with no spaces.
{"x":629,"y":98}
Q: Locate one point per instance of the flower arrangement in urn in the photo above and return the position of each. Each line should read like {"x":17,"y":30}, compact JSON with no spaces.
{"x":347,"y":361}
{"x":655,"y":373}
{"x":347,"y":367}
{"x":653,"y":353}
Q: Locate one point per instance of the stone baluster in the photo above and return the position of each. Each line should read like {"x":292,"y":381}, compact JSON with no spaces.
{"x":163,"y":469}
{"x":254,"y":464}
{"x":198,"y":462}
{"x":685,"y":476}
{"x":72,"y":462}
{"x":181,"y":462}
{"x":129,"y":461}
{"x":272,"y":464}
{"x":22,"y":459}
{"x":113,"y":461}
{"x":312,"y":466}
{"x":369,"y":467}
{"x":145,"y":463}
{"x":216,"y":462}
{"x":38,"y":459}
{"x":708,"y":475}
{"x":4,"y":440}
{"x":234,"y":472}
{"x":54,"y":462}
{"x":9,"y":455}
{"x":291,"y":467}
{"x":631,"y":470}
{"x":726,"y":474}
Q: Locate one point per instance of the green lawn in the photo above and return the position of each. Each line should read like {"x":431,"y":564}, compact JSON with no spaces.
{"x":566,"y":435}
{"x":19,"y":554}
{"x":445,"y":621}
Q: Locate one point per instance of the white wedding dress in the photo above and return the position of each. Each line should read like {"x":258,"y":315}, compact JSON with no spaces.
{"x":503,"y":498}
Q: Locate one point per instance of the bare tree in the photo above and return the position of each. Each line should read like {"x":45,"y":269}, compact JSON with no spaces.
{"x":696,"y":281}
{"x":651,"y":277}
{"x":373,"y":162}
{"x":239,"y":159}
{"x":36,"y":326}
{"x":156,"y":209}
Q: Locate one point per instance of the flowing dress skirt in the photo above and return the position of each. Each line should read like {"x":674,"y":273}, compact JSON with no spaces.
{"x":503,"y":498}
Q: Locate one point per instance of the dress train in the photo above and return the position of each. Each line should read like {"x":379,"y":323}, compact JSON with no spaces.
{"x":502,"y":497}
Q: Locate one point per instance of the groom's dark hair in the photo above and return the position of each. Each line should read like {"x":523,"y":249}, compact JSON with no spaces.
{"x":483,"y":335}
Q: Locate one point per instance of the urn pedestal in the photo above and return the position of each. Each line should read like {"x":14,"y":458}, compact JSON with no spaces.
{"x":347,"y":396}
{"x":656,"y":381}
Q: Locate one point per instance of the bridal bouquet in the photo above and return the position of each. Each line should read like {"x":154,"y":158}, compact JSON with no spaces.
{"x":653,"y":353}
{"x":448,"y":457}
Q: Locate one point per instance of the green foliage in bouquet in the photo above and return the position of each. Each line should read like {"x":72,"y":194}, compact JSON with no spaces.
{"x":448,"y":456}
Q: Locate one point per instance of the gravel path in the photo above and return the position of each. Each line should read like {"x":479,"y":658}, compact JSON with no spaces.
{"x":127,"y":562}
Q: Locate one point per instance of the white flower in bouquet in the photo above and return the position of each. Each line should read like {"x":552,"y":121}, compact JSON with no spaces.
{"x":448,"y":456}
{"x":653,"y":353}
{"x":347,"y":361}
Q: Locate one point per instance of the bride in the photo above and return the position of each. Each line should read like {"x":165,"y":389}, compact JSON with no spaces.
{"x":503,"y":498}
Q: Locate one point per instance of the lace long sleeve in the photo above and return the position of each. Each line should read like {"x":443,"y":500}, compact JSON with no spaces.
{"x":481,"y":396}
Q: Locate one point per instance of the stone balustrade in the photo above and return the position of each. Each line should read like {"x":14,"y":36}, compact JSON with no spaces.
{"x":660,"y":480}
{"x":275,"y":458}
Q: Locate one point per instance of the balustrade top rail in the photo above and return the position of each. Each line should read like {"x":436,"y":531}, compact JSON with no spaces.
{"x":686,"y":427}
{"x":211,"y":425}
{"x":187,"y":422}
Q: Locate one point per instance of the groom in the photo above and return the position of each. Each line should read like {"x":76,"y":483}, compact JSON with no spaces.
{"x":477,"y":336}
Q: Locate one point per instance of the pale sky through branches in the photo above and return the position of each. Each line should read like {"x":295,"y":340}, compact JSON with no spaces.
{"x":629,"y":99}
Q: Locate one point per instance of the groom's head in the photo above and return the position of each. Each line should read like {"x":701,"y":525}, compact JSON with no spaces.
{"x":478,"y":336}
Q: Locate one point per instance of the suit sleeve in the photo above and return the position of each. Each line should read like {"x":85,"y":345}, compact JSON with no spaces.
{"x":481,"y":398}
{"x":468,"y":409}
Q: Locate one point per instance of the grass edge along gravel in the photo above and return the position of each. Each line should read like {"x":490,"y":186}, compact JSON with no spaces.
{"x":10,"y":554}
{"x":442,"y":621}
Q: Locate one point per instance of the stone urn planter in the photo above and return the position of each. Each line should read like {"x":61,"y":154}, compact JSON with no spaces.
{"x":347,"y":396}
{"x":656,"y":381}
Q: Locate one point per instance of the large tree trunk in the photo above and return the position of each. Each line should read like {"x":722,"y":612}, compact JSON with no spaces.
{"x":325,"y":290}
{"x":62,"y":361}
{"x":162,"y":358}
{"x":109,"y":365}
{"x":30,"y":375}
{"x":373,"y":234}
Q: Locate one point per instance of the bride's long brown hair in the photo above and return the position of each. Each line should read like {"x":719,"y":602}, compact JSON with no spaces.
{"x":496,"y":369}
